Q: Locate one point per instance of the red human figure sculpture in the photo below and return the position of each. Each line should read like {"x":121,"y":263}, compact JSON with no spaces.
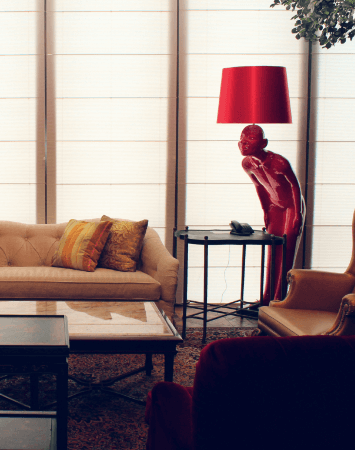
{"x":280,"y":197}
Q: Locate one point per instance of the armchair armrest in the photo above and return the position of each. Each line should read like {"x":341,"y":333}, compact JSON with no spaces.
{"x":159,"y":264}
{"x":344,"y":324}
{"x":316,"y":290}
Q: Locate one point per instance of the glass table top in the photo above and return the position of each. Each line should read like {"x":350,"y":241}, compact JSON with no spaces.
{"x":99,"y":320}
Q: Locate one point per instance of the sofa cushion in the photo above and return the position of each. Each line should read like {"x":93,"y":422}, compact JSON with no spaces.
{"x":124,"y":245}
{"x":295,"y":322}
{"x":81,"y":245}
{"x":63,"y":283}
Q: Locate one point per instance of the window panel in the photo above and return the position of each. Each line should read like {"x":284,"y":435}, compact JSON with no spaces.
{"x":112,"y":5}
{"x":241,"y":32}
{"x":18,"y":162}
{"x":215,"y":205}
{"x":222,"y":256}
{"x":333,"y":103}
{"x":135,"y":202}
{"x":224,"y":284}
{"x":21,"y":5}
{"x":111,"y":162}
{"x":21,"y":111}
{"x":334,"y":119}
{"x":111,"y":32}
{"x":112,"y":119}
{"x":332,"y":247}
{"x":330,"y":69}
{"x":229,"y":5}
{"x":18,"y":202}
{"x":18,"y":31}
{"x":334,"y":204}
{"x":335,"y":163}
{"x":18,"y":119}
{"x":113,"y":75}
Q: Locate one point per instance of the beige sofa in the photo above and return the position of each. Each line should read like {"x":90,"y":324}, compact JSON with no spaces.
{"x":25,"y":270}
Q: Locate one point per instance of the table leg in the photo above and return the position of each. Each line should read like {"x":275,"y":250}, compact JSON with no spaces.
{"x":205,"y":288}
{"x":243,"y":277}
{"x":62,"y":406}
{"x":169,"y":366}
{"x":284,"y":274}
{"x":34,"y":403}
{"x":186,"y":262}
{"x":148,"y":364}
{"x":262,"y":275}
{"x":272,"y":272}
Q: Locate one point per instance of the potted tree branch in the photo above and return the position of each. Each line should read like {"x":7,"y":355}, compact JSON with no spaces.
{"x":326,"y":21}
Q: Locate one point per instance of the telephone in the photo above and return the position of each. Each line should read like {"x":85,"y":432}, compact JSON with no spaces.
{"x":241,"y":229}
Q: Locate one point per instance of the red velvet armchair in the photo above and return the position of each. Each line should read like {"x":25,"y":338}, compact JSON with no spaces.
{"x":260,"y":392}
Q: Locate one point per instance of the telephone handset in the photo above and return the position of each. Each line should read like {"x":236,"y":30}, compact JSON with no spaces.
{"x":241,"y":229}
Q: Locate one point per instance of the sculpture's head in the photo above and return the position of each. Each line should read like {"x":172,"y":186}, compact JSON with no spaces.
{"x":252,"y":141}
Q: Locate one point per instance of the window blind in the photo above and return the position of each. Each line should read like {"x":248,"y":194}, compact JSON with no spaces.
{"x":112,"y":106}
{"x":223,"y":34}
{"x":332,"y":158}
{"x":22,"y":150}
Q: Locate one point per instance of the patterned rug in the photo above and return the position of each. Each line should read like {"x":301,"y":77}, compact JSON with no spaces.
{"x":103,"y":421}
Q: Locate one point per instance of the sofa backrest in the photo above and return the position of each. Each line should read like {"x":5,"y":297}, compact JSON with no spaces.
{"x":278,"y":392}
{"x":29,"y":245}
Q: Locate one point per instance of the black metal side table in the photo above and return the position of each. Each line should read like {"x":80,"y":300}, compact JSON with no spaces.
{"x":219,"y":237}
{"x":35,"y":345}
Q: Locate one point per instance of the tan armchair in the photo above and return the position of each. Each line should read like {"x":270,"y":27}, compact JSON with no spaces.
{"x":317,"y":303}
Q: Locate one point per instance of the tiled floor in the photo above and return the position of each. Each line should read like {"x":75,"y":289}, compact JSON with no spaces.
{"x":226,"y":321}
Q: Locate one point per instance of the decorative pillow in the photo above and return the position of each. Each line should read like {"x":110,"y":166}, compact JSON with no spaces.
{"x":124,"y":245}
{"x":81,"y":245}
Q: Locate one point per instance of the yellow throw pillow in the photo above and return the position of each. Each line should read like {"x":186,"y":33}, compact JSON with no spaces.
{"x":124,"y":245}
{"x":81,"y":245}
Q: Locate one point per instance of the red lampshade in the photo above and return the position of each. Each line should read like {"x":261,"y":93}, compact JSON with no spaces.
{"x":256,"y":94}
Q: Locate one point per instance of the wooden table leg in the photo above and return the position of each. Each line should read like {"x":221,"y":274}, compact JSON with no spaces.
{"x":148,"y":364}
{"x":169,"y":366}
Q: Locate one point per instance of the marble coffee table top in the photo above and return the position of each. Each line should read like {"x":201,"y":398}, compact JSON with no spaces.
{"x":100,"y":320}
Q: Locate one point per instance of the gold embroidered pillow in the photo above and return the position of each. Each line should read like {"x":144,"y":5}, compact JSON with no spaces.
{"x":124,"y":245}
{"x":81,"y":245}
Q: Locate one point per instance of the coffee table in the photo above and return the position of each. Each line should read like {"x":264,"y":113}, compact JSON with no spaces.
{"x":109,"y":328}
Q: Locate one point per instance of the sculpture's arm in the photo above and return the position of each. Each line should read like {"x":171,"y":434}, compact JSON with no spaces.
{"x":296,"y":200}
{"x":263,"y":195}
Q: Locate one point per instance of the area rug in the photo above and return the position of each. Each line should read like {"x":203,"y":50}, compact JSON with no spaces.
{"x":103,"y":421}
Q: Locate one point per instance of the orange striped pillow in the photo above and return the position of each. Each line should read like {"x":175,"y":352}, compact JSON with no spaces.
{"x":81,"y":245}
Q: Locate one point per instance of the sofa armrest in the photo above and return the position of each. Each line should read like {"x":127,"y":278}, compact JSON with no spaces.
{"x":344,"y":324}
{"x":316,"y":290}
{"x":168,"y":414}
{"x":159,"y":264}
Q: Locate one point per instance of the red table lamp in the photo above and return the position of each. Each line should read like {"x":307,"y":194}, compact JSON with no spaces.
{"x":259,"y":94}
{"x":255,"y":94}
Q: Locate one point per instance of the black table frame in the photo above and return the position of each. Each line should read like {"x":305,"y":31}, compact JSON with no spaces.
{"x":148,"y":346}
{"x":206,"y":238}
{"x":33,"y":361}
